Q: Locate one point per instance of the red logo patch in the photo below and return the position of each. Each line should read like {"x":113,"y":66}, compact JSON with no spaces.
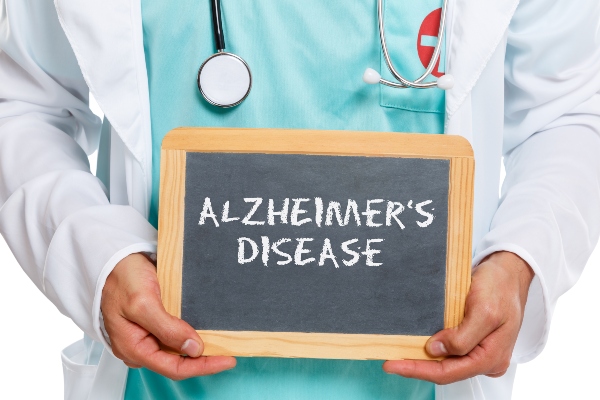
{"x":427,"y":39}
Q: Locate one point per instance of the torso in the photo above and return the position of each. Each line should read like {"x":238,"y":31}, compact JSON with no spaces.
{"x":307,"y":59}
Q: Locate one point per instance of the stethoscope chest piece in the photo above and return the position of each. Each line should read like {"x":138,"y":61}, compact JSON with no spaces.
{"x":224,"y":79}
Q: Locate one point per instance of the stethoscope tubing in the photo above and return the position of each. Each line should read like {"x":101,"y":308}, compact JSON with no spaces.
{"x":405,"y":83}
{"x":217,"y":20}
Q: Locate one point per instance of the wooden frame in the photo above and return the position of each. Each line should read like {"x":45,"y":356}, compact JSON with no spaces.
{"x":342,"y":143}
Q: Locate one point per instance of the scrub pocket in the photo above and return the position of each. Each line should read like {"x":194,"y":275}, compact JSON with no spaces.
{"x":411,"y":29}
{"x":78,"y":374}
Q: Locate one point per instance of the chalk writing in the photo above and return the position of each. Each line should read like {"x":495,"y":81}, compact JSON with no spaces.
{"x":297,"y":251}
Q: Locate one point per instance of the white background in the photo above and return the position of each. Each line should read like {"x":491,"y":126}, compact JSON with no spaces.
{"x":33,"y":333}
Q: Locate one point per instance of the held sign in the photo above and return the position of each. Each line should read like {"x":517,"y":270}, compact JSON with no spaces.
{"x":294,"y":239}
{"x":270,"y":234}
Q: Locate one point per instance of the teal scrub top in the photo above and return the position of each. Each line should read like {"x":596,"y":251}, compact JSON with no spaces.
{"x":307,"y":59}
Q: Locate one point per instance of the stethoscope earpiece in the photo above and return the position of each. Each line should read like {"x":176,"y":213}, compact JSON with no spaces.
{"x":445,"y":82}
{"x":371,"y":76}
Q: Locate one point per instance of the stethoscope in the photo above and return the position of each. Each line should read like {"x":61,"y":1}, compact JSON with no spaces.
{"x":224,"y":79}
{"x":372,"y":77}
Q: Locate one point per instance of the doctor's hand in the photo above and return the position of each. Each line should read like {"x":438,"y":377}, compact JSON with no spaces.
{"x":139,"y":327}
{"x":483,"y":343}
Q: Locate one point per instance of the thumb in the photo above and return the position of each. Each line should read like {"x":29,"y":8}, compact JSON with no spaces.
{"x":169,"y":330}
{"x":461,"y":340}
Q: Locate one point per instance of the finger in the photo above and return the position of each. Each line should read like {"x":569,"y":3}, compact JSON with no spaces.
{"x":441,"y":372}
{"x":132,"y":365}
{"x":479,"y":322}
{"x":137,"y":347}
{"x":178,"y":367}
{"x":496,"y":375}
{"x":148,"y":312}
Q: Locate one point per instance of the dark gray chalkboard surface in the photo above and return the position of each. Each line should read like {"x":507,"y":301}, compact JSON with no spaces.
{"x":294,"y":243}
{"x":402,"y":296}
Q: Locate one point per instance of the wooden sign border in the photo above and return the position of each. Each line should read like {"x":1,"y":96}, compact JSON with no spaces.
{"x":340,"y":143}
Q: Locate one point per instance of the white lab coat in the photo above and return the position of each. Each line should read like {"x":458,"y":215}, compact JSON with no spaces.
{"x":526,"y":89}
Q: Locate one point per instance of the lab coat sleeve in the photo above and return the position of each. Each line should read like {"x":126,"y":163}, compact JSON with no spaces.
{"x":54,"y":213}
{"x":549,"y":211}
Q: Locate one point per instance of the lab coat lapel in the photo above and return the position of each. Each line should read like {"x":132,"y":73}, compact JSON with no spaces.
{"x":477,"y":27}
{"x":107,"y":39}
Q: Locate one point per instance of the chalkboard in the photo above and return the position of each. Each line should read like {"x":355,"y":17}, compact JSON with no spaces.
{"x":296,"y":245}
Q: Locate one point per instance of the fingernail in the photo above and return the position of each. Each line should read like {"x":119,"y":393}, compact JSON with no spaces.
{"x":437,"y":349}
{"x":191,"y":348}
{"x":395,"y":368}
